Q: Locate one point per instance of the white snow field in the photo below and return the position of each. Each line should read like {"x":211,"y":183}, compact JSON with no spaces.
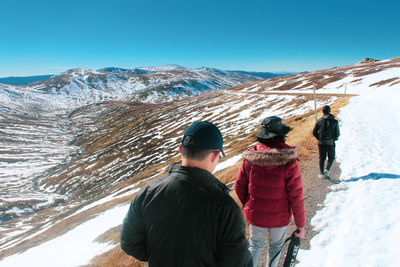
{"x":75,"y":248}
{"x":360,"y":223}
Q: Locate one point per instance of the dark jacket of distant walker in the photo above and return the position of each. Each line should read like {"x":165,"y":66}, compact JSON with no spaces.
{"x":270,"y":188}
{"x":326,"y":130}
{"x":185,"y":218}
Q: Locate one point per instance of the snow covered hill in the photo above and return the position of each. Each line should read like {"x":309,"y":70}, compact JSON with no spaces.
{"x":37,"y":128}
{"x":79,"y":87}
{"x":110,"y":149}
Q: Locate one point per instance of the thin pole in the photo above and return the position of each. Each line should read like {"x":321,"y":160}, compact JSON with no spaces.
{"x":315,"y":103}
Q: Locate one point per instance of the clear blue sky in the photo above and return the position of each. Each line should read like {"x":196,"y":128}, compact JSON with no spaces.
{"x":49,"y":37}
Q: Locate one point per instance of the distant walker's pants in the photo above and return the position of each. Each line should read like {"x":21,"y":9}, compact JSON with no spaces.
{"x":257,"y":240}
{"x":323,"y":151}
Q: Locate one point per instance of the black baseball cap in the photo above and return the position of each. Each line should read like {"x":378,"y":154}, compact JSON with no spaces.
{"x":206,"y":134}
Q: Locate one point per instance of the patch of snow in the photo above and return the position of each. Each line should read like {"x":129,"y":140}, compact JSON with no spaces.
{"x":227,"y":163}
{"x":76,"y":247}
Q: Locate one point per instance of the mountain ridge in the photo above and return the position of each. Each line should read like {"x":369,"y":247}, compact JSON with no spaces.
{"x":79,"y":87}
{"x":26,"y":80}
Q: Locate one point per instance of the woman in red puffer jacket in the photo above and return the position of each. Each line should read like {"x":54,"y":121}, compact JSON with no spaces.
{"x":270,"y":189}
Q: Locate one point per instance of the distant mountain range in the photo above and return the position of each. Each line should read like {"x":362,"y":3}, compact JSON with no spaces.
{"x":265,"y":75}
{"x":78,"y":87}
{"x":31,"y":79}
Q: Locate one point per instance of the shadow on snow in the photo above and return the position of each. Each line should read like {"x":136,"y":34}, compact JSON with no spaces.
{"x":374,"y":176}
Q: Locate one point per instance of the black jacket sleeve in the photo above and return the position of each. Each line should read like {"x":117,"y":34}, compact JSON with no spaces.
{"x":316,"y":129}
{"x":232,"y":242}
{"x":337,"y":131}
{"x":133,"y":233}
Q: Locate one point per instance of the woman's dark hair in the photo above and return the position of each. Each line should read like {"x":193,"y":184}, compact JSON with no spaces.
{"x":275,"y":139}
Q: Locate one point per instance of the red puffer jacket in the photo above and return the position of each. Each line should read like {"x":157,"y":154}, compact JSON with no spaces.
{"x":269,"y":186}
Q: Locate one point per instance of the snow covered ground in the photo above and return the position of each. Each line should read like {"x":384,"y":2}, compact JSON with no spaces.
{"x":75,"y":248}
{"x":360,"y":223}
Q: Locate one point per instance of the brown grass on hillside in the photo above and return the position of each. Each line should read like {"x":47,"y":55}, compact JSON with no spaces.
{"x":229,"y":174}
{"x":387,"y":81}
{"x":300,"y":136}
{"x":288,"y":85}
{"x":366,"y":72}
{"x":116,"y":258}
{"x":110,"y":236}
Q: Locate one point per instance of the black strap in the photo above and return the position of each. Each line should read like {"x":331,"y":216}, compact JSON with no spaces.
{"x":291,"y":254}
{"x":276,"y":255}
{"x":287,"y":239}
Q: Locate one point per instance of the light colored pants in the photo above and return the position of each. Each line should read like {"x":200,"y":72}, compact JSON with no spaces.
{"x":257,"y":240}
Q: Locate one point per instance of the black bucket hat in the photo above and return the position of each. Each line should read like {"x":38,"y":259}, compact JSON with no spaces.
{"x":271,"y":127}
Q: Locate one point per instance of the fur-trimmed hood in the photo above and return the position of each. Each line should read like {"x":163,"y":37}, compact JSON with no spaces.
{"x":271,"y":157}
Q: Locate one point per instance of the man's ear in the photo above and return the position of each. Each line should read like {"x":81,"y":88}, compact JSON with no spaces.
{"x":180,"y":149}
{"x":214,"y":155}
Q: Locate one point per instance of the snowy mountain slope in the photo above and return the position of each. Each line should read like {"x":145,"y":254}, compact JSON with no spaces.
{"x":349,"y":79}
{"x":37,"y":128}
{"x":79,"y":87}
{"x":360,"y":222}
{"x":121,"y":143}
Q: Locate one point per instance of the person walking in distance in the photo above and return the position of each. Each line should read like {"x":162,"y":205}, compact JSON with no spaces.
{"x":270,"y":188}
{"x":326,"y":130}
{"x":187,"y":217}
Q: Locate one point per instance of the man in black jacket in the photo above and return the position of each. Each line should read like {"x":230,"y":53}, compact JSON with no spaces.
{"x":326,"y":130}
{"x":187,"y":217}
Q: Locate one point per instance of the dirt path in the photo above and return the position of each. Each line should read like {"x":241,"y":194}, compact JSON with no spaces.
{"x":315,"y":191}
